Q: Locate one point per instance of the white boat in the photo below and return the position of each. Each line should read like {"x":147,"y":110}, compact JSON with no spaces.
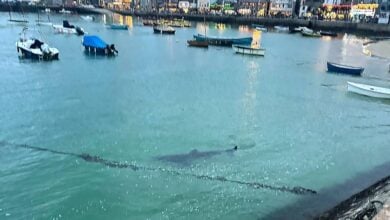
{"x":261,"y":29}
{"x":281,"y":28}
{"x":87,"y":18}
{"x":368,"y":90}
{"x":66,"y":28}
{"x":32,"y":48}
{"x":47,"y":10}
{"x":63,"y":11}
{"x":254,"y":48}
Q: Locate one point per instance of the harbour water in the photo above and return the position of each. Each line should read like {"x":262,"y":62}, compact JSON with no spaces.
{"x":294,"y":124}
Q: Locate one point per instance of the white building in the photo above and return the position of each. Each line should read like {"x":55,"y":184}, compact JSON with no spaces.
{"x":203,"y":5}
{"x":284,"y":7}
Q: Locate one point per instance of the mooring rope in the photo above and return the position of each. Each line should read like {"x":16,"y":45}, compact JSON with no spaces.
{"x":124,"y":165}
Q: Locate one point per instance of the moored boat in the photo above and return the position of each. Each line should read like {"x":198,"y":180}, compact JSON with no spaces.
{"x":368,"y":90}
{"x":254,"y":48}
{"x":248,"y":50}
{"x":328,"y":33}
{"x":87,"y":17}
{"x":95,"y":45}
{"x":340,"y":68}
{"x":63,"y":11}
{"x":259,"y":27}
{"x":195,"y":43}
{"x":310,"y":33}
{"x":68,"y":28}
{"x":220,"y":41}
{"x":32,"y":48}
{"x":281,"y":28}
{"x":163,"y":30}
{"x":119,"y":26}
{"x":296,"y":29}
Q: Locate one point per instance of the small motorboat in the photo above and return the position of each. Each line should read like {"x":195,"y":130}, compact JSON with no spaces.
{"x":260,"y":27}
{"x":293,"y":29}
{"x":328,"y":33}
{"x":87,"y":17}
{"x":307,"y":32}
{"x":32,"y":48}
{"x":195,"y":43}
{"x":281,"y":28}
{"x":339,"y":68}
{"x":368,"y":90}
{"x":63,"y":11}
{"x":95,"y":45}
{"x":68,"y":28}
{"x":163,"y":30}
{"x":119,"y":26}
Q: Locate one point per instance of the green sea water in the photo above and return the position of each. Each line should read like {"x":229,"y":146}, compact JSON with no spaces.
{"x":294,"y":123}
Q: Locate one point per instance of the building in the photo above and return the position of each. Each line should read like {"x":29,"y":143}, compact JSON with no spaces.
{"x":252,"y":7}
{"x":203,"y":5}
{"x":281,"y":8}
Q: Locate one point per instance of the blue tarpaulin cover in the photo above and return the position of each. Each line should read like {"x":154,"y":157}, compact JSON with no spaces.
{"x":94,"y":41}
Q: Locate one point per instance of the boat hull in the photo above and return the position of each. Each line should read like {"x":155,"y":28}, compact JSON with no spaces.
{"x":248,"y":50}
{"x":338,"y":68}
{"x":119,"y":27}
{"x":195,"y":43}
{"x":328,"y":33}
{"x":367,"y":90}
{"x":228,"y":42}
{"x":25,"y":53}
{"x":162,"y":31}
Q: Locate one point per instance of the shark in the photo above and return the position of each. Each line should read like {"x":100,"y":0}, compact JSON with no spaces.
{"x":188,"y":158}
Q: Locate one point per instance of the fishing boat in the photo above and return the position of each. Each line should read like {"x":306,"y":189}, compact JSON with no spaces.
{"x":328,"y":33}
{"x":281,"y":28}
{"x":220,"y":41}
{"x":368,"y":90}
{"x":95,"y":45}
{"x":87,"y":17}
{"x":296,"y":29}
{"x":339,"y":68}
{"x":195,"y":43}
{"x":253,"y":49}
{"x":162,"y":29}
{"x":32,"y":48}
{"x":119,"y":26}
{"x":68,"y":28}
{"x":306,"y":32}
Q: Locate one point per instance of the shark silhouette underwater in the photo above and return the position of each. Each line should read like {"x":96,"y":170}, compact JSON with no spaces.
{"x":194,"y":155}
{"x":298,"y":190}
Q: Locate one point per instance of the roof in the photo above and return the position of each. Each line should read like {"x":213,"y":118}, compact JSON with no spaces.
{"x":94,"y":41}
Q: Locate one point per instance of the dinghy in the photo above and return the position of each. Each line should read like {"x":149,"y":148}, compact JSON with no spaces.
{"x":87,"y":17}
{"x":368,"y":90}
{"x":339,"y":68}
{"x":254,"y":48}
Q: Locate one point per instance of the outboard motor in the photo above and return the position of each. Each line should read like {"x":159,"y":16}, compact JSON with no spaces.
{"x":79,"y":31}
{"x":112,"y":48}
{"x":66,"y":24}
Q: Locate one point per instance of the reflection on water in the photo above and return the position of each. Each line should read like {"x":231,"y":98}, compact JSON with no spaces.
{"x":244,"y":29}
{"x":202,"y":28}
{"x":249,"y":99}
{"x":118,"y":19}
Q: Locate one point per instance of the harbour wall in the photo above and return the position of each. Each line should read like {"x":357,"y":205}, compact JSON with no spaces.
{"x":337,"y":26}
